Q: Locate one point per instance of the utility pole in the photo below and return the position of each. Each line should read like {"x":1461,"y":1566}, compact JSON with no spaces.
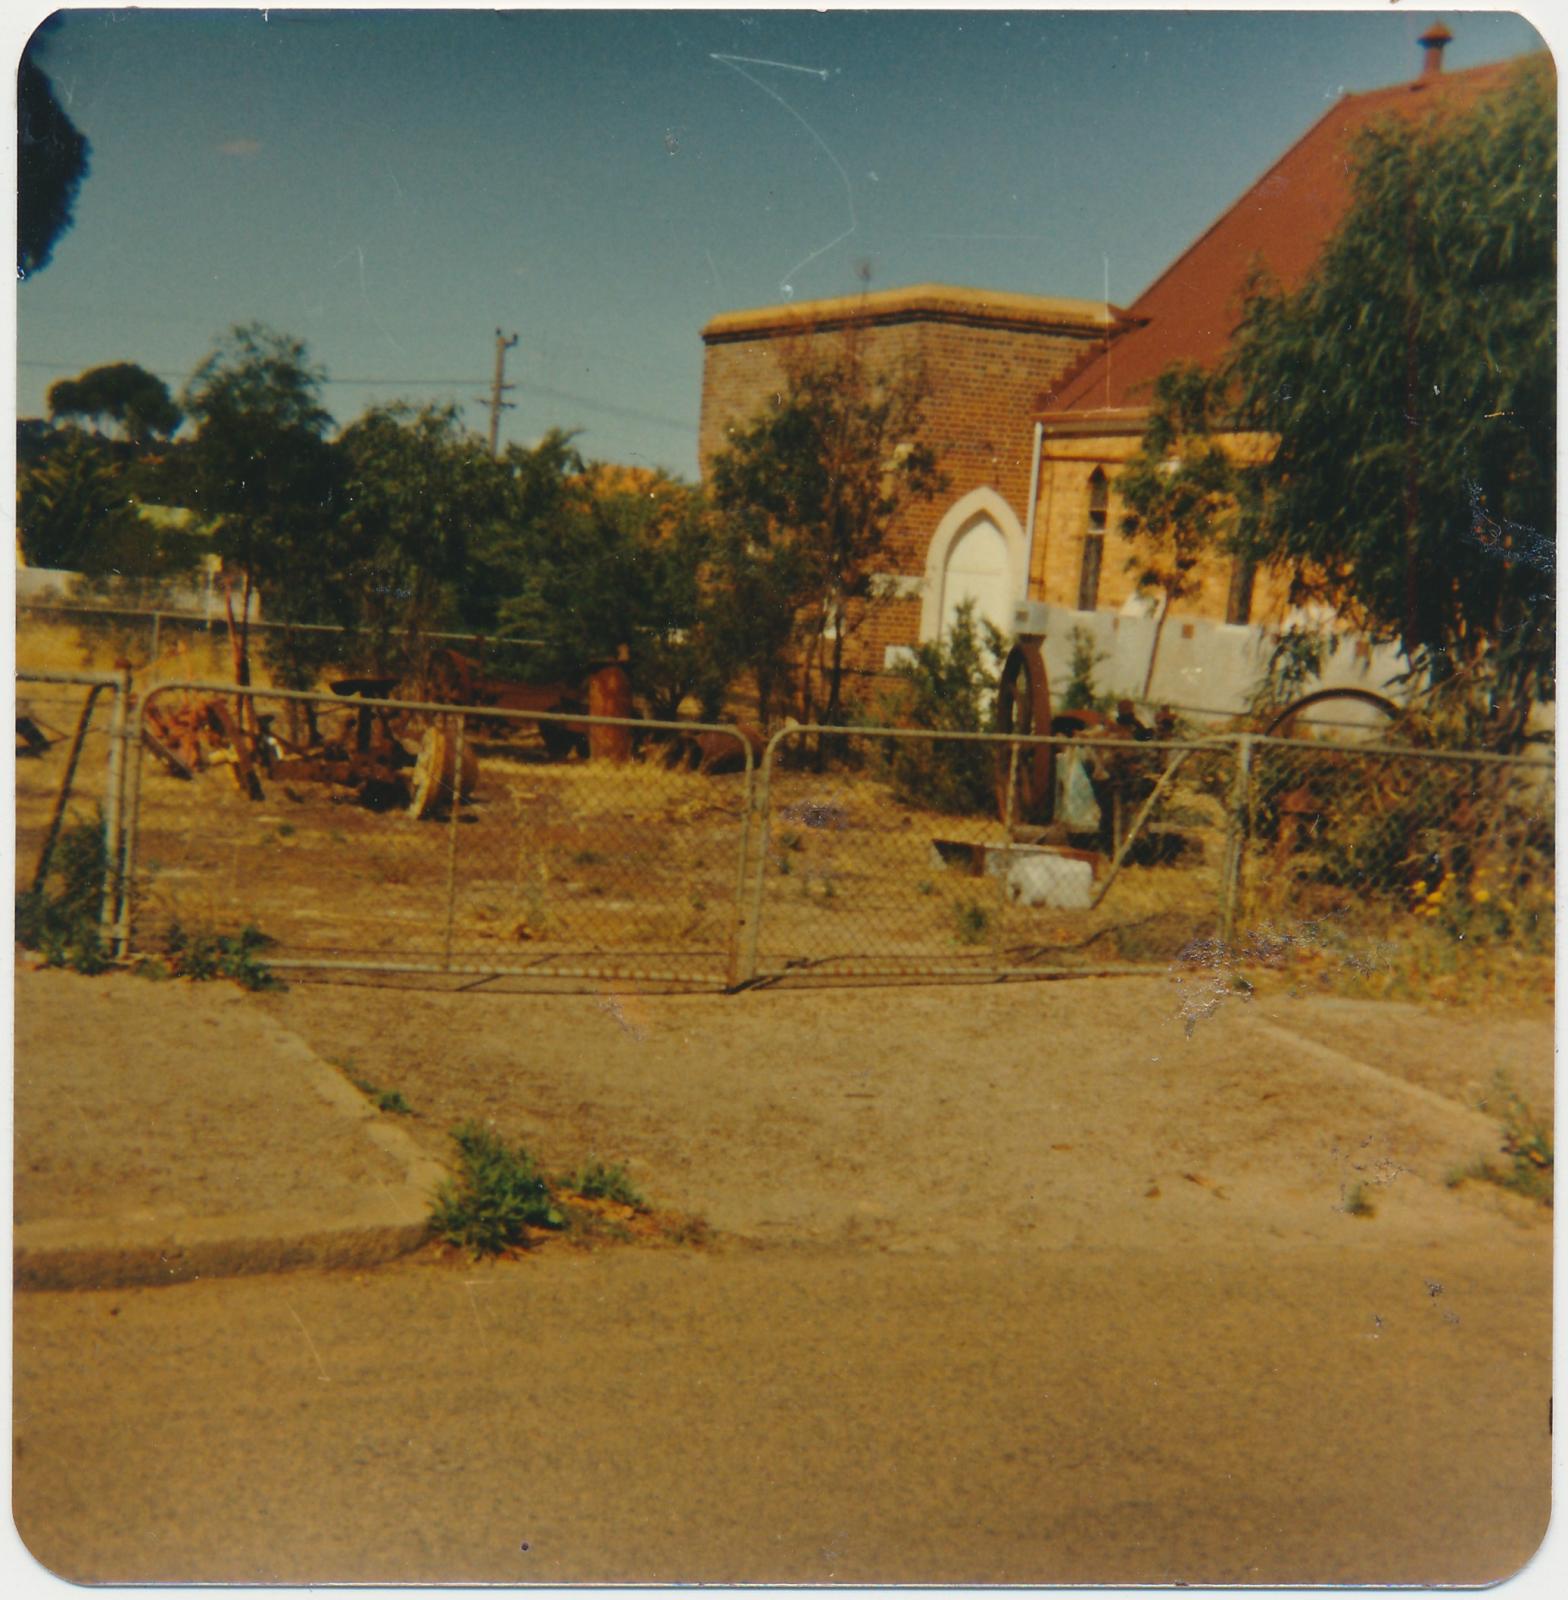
{"x":498,"y":388}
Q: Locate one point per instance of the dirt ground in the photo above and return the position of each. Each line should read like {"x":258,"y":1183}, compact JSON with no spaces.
{"x":1010,"y":1284}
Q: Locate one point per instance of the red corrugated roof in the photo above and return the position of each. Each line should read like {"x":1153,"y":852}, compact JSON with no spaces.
{"x":1283,"y":221}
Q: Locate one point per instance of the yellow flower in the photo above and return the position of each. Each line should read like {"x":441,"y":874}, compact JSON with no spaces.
{"x":1481,"y":896}
{"x":1420,"y":886}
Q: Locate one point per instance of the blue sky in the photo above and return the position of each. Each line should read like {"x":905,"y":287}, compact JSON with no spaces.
{"x":393,"y":186}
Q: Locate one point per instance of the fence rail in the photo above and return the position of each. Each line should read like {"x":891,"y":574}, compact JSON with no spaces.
{"x":399,"y":836}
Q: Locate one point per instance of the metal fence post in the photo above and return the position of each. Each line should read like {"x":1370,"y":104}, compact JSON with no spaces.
{"x":1010,"y":799}
{"x":63,"y":798}
{"x":1236,"y":843}
{"x":130,"y":828}
{"x":455,"y":802}
{"x":738,"y":924}
{"x":746,"y":968}
{"x":113,"y":839}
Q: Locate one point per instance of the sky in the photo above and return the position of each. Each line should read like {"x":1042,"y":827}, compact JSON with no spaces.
{"x":394,"y":186}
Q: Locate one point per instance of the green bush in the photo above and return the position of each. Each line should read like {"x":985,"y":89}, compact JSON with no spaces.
{"x":60,"y":920}
{"x":1081,"y":693}
{"x":1527,"y":1142}
{"x":971,"y":922}
{"x":202,"y":956}
{"x":949,"y":687}
{"x":596,"y":1181}
{"x":497,"y":1196}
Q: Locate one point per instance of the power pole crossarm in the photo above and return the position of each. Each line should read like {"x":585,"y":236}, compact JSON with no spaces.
{"x":499,"y":387}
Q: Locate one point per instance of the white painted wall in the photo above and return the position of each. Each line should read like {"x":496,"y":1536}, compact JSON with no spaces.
{"x":1202,"y":665}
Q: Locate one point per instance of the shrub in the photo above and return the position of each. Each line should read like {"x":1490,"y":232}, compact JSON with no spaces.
{"x":202,"y":956}
{"x":948,"y":687}
{"x":596,"y":1181}
{"x":1081,"y":694}
{"x":497,"y":1196}
{"x":60,"y":919}
{"x":1527,"y":1142}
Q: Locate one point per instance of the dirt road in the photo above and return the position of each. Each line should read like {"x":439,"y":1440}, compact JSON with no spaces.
{"x":1020,"y":1284}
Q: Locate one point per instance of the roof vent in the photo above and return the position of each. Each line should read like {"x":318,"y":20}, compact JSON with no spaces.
{"x":1433,"y":41}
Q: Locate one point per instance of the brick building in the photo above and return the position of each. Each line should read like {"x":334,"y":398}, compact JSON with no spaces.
{"x":1038,"y":402}
{"x":989,"y":359}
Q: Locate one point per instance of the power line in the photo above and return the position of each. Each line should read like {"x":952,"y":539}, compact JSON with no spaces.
{"x":537,"y":390}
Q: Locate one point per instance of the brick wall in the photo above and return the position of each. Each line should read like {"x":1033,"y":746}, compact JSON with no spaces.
{"x":1062,"y":524}
{"x":989,"y":362}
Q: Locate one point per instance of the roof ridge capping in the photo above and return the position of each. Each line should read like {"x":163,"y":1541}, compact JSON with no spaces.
{"x":928,"y":299}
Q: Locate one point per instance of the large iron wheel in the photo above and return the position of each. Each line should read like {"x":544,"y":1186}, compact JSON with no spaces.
{"x":1023,"y":706}
{"x":1287,"y":724}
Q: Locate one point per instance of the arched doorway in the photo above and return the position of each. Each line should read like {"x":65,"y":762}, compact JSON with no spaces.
{"x":977,"y":570}
{"x":976,"y":554}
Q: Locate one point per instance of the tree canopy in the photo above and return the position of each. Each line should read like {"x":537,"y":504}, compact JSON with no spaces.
{"x":263,"y":473}
{"x":122,"y":393}
{"x":51,"y":161}
{"x":1411,"y":384}
{"x":823,"y":473}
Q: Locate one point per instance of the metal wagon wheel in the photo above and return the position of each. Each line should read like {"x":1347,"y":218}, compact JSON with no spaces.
{"x":1023,"y":706}
{"x":1311,"y":799}
{"x":1287,"y":724}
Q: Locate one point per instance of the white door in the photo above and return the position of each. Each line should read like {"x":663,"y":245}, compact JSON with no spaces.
{"x":977,"y":569}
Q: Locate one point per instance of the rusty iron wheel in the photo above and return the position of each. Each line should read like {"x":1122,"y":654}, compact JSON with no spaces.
{"x":1282,"y":725}
{"x":1023,"y":705}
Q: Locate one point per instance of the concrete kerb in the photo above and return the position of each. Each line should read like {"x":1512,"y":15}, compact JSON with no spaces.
{"x":152,"y":1247}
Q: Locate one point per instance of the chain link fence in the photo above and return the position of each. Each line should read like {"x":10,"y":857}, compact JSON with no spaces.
{"x":1372,"y":845}
{"x":386,"y":836}
{"x":894,"y":852}
{"x":361,"y":832}
{"x":70,"y":772}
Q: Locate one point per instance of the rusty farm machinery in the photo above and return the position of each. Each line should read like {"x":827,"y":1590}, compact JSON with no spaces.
{"x":385,"y":754}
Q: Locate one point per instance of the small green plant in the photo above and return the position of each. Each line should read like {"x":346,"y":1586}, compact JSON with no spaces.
{"x":588,"y":858}
{"x":202,"y":956}
{"x":925,"y":886}
{"x":971,"y":922}
{"x":60,"y":918}
{"x":596,"y":1181}
{"x":1359,"y":1203}
{"x":285,"y":830}
{"x":790,"y":840}
{"x":1081,"y":693}
{"x":1527,"y":1142}
{"x":784,"y":867}
{"x":390,"y":1100}
{"x":496,"y":1197}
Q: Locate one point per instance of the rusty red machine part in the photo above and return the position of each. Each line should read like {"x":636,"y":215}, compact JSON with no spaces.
{"x":1116,"y":774}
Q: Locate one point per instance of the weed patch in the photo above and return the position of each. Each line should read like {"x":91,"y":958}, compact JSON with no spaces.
{"x":971,"y":922}
{"x":60,"y":918}
{"x":203,"y":956}
{"x":1527,"y":1144}
{"x":500,"y":1201}
{"x":497,"y":1198}
{"x":596,"y":1181}
{"x":389,"y":1100}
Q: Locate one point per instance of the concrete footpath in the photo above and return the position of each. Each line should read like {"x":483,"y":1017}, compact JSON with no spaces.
{"x":166,"y":1131}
